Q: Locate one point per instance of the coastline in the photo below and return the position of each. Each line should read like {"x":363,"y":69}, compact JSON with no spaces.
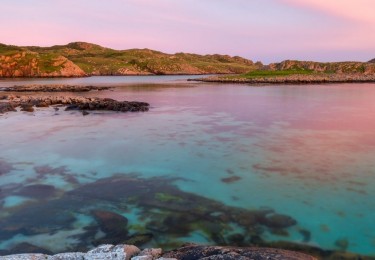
{"x":188,"y":251}
{"x":292,"y":79}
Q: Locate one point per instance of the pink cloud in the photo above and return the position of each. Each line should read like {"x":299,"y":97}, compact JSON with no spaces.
{"x":358,"y":10}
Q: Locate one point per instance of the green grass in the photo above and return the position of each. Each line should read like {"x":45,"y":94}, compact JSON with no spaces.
{"x":46,"y":62}
{"x":8,"y":50}
{"x":274,"y":73}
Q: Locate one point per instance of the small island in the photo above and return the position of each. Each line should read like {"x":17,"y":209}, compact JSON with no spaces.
{"x":302,"y":72}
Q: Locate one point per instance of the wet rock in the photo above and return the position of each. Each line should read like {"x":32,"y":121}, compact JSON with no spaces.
{"x":342,"y":243}
{"x":85,"y":113}
{"x":112,"y":224}
{"x":306,"y":235}
{"x":236,"y":239}
{"x":71,"y":107}
{"x":231,"y":179}
{"x":28,"y":248}
{"x":72,"y":103}
{"x":6,"y":107}
{"x":5,"y":167}
{"x":277,"y":221}
{"x":27,"y":108}
{"x":234,"y":253}
{"x":38,"y":191}
{"x":53,"y":88}
{"x":42,"y":104}
{"x":139,"y":239}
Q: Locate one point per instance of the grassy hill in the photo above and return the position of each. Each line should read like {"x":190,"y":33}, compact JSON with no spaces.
{"x":80,"y":59}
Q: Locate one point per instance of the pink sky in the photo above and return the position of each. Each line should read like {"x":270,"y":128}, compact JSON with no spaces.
{"x":266,"y":30}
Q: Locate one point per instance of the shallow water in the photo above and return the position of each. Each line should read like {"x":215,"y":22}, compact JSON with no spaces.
{"x":302,"y":151}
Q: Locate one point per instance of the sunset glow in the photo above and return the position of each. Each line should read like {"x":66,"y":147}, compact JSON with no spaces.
{"x":260,"y":30}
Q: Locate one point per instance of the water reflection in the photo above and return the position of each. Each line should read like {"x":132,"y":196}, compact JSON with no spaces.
{"x":238,"y":157}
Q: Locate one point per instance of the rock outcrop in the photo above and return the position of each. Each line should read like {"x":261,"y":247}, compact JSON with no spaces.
{"x":27,"y":103}
{"x":191,"y":252}
{"x":53,"y":88}
{"x":234,"y":253}
{"x":326,"y":67}
{"x":80,"y":59}
{"x":25,"y":63}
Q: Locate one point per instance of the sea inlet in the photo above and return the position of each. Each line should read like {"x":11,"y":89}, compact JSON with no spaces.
{"x":208,"y":163}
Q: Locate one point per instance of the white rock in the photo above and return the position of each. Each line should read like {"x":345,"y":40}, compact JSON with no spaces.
{"x":68,"y":256}
{"x":110,"y":252}
{"x":142,"y":257}
{"x":25,"y":257}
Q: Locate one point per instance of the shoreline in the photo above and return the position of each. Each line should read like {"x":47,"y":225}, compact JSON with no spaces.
{"x":188,"y":251}
{"x":114,"y":75}
{"x":293,"y":79}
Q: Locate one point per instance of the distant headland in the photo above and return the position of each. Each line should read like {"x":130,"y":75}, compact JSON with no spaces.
{"x":80,"y":59}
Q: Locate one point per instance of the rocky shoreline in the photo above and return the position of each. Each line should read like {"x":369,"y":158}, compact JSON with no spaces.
{"x":53,"y":88}
{"x":293,"y":79}
{"x":9,"y":103}
{"x":188,"y":252}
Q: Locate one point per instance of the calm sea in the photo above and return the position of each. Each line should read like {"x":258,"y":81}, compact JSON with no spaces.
{"x":209,"y":163}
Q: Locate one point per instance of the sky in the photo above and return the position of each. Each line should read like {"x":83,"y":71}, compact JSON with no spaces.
{"x":260,"y":30}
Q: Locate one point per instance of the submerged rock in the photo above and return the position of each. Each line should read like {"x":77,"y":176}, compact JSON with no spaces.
{"x":5,"y":167}
{"x":28,"y":248}
{"x":279,"y":221}
{"x":231,"y":179}
{"x":40,"y":191}
{"x":111,"y":223}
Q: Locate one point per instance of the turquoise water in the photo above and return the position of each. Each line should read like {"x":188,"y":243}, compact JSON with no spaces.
{"x":306,"y":152}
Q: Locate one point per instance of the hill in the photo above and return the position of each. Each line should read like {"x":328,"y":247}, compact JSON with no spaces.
{"x":348,"y":67}
{"x":372,"y":61}
{"x":84,"y":59}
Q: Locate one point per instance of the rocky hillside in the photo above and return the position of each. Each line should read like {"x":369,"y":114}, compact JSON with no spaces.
{"x":81,"y":59}
{"x":372,"y":61}
{"x":365,"y":68}
{"x":22,"y":62}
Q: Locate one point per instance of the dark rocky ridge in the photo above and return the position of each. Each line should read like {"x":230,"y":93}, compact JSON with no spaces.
{"x":11,"y":102}
{"x":53,"y":88}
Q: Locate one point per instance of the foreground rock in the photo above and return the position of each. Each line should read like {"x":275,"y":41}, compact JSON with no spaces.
{"x":236,"y":253}
{"x":192,"y":252}
{"x":53,"y":88}
{"x":27,"y":103}
{"x":294,"y":79}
